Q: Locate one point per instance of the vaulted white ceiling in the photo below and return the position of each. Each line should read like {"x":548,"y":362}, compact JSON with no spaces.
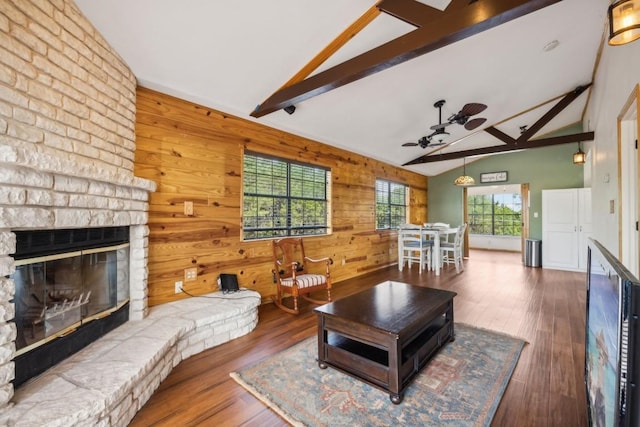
{"x":232,"y":55}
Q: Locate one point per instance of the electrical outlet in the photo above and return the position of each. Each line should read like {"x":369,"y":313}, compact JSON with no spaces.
{"x":178,"y":286}
{"x":190,"y":274}
{"x":188,"y":208}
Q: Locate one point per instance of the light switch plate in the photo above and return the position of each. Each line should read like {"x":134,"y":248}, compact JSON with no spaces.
{"x":188,"y":208}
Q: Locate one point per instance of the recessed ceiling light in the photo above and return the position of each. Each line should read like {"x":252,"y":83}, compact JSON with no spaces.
{"x":551,"y":45}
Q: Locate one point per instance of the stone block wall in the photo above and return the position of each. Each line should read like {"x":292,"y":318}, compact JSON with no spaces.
{"x":67,"y":143}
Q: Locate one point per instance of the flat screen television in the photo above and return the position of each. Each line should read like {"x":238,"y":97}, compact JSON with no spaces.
{"x":612,"y":361}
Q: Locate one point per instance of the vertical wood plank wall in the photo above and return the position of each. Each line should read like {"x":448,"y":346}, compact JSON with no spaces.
{"x":195,"y":154}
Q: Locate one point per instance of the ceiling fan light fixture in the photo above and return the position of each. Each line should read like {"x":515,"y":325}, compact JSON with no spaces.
{"x":579,"y":157}
{"x":464,"y":180}
{"x":624,"y":22}
{"x":440,"y":137}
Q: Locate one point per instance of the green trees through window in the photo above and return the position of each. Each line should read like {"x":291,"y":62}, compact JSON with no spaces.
{"x":498,"y":214}
{"x":283,"y":198}
{"x":391,"y":204}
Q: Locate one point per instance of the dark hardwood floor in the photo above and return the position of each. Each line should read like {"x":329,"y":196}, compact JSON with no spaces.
{"x":544,"y":307}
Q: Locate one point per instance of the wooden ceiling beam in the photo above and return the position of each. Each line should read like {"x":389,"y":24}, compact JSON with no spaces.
{"x":416,"y":13}
{"x":449,"y":27}
{"x":500,"y":135}
{"x":410,"y":11}
{"x":561,"y":105}
{"x":537,"y":143}
{"x":335,"y":45}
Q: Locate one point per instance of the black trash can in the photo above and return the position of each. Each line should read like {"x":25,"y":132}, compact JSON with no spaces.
{"x":533,"y":253}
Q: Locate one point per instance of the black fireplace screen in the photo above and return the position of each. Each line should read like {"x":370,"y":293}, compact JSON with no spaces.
{"x":55,"y":293}
{"x":71,"y":288}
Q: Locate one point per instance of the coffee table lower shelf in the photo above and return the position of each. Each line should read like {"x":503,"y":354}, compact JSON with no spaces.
{"x":368,"y":359}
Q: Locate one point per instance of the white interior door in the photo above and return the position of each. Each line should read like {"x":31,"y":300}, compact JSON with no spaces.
{"x":560,"y":229}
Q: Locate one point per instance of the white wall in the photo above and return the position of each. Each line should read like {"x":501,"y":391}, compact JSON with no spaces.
{"x":497,"y":243}
{"x":616,"y":78}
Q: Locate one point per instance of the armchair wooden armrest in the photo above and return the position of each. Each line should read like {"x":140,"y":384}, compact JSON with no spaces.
{"x":327,"y":259}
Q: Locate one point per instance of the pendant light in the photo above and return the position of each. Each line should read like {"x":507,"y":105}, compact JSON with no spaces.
{"x":624,"y":22}
{"x":464,"y":180}
{"x":579,"y":157}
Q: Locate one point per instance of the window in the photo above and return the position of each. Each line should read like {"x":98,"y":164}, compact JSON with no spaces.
{"x":391,"y":204}
{"x":283,"y":198}
{"x":497,"y":214}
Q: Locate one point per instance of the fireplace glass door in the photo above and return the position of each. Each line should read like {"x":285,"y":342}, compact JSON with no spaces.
{"x":57,"y":293}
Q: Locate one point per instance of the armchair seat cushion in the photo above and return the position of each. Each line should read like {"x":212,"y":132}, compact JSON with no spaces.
{"x":305,"y":280}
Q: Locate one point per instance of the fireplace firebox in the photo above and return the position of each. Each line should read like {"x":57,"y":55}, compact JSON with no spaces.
{"x":71,"y":287}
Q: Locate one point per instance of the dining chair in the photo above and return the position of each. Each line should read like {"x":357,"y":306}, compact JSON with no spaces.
{"x":451,"y":252}
{"x":413,"y":247}
{"x":442,"y":226}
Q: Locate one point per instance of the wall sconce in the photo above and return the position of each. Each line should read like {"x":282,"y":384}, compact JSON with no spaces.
{"x":464,"y":180}
{"x":624,"y":22}
{"x":579,"y":157}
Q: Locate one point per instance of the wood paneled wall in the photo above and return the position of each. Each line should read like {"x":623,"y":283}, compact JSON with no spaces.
{"x":195,"y":154}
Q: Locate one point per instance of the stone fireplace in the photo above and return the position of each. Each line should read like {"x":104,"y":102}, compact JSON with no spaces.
{"x":67,"y":146}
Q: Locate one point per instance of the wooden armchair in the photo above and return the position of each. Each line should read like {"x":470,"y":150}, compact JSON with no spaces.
{"x":298,"y":275}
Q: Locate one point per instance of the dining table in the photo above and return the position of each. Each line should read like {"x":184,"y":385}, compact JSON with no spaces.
{"x":434,"y":234}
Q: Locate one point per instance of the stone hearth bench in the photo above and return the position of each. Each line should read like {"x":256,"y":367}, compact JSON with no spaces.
{"x":106,"y":383}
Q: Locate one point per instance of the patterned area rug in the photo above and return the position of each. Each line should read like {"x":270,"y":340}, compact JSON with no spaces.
{"x":461,"y":386}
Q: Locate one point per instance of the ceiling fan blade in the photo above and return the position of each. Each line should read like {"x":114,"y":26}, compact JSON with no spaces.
{"x":474,"y":123}
{"x":409,"y":144}
{"x":472,"y":109}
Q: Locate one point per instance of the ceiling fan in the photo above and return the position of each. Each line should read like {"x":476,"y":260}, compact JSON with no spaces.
{"x":462,"y":117}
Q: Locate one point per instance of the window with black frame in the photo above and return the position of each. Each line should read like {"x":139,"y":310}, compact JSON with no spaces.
{"x":391,"y":204}
{"x":497,"y":214}
{"x":283,"y":198}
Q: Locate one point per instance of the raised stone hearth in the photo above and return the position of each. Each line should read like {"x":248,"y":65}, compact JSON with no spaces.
{"x":108,"y":382}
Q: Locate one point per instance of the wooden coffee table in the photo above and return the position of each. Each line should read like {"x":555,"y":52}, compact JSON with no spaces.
{"x":386,"y":334}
